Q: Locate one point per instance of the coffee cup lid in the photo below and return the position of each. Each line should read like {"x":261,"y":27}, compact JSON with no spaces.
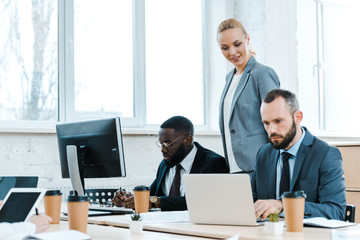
{"x":53,"y":192}
{"x":296,"y":194}
{"x":141,"y":188}
{"x":77,"y":198}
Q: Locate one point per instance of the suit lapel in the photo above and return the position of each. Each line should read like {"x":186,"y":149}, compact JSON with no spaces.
{"x":162,"y":173}
{"x":301,"y":155}
{"x":198,"y":163}
{"x":226,"y":88}
{"x":227,"y":85}
{"x":272,"y":163}
{"x":243,"y":81}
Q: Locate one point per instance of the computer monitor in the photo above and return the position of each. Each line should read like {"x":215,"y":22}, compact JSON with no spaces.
{"x":90,"y":149}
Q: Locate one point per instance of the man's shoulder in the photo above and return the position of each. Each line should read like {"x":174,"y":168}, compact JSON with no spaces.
{"x":207,"y":161}
{"x":316,"y":143}
{"x":207,"y":153}
{"x":266,"y":149}
{"x":323,"y":150}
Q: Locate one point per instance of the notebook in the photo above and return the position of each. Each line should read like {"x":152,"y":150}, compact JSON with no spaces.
{"x":224,"y":199}
{"x":20,"y":203}
{"x":59,"y":235}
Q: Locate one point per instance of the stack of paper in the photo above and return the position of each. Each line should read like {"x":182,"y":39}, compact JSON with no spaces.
{"x":59,"y":235}
{"x":326,"y":223}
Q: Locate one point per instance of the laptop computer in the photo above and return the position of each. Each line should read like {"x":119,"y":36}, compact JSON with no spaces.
{"x":8,"y":182}
{"x":224,"y":199}
{"x":20,"y":203}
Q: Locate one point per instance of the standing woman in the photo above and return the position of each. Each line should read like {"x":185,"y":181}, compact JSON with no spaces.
{"x":241,"y":127}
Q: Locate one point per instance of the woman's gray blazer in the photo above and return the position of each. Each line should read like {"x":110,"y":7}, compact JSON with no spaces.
{"x":246,"y":129}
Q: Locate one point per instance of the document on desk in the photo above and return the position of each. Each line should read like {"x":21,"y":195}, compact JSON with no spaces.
{"x":59,"y":235}
{"x":326,"y":223}
{"x":167,"y":217}
{"x":341,"y":234}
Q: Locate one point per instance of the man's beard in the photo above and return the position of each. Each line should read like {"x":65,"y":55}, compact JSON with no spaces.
{"x":287,"y":139}
{"x":178,"y":156}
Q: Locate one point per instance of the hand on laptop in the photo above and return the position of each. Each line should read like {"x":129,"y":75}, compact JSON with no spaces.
{"x":263,"y":208}
{"x":120,"y":198}
{"x":42,"y":222}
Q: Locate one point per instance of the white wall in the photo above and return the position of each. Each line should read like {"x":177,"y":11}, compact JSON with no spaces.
{"x":37,"y":155}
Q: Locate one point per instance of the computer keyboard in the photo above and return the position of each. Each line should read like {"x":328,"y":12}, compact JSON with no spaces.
{"x":112,"y":210}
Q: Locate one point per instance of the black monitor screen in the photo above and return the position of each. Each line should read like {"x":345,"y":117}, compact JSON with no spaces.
{"x":98,"y":145}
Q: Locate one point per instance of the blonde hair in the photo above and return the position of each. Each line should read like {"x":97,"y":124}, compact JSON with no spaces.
{"x":234,"y":23}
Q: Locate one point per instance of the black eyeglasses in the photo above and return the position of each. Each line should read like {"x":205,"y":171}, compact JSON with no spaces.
{"x":166,"y":145}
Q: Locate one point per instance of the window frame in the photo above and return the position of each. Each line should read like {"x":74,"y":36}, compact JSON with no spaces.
{"x":320,"y":67}
{"x":66,"y":64}
{"x":212,"y":85}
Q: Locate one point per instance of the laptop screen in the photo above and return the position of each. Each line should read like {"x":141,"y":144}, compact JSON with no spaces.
{"x":17,"y":206}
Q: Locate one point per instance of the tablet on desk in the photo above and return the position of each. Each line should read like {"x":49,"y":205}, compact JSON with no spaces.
{"x":20,"y":203}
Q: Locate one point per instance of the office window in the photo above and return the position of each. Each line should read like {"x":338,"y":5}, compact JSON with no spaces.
{"x":103,"y":59}
{"x":84,"y":59}
{"x":330,"y":78}
{"x":174,"y":70}
{"x":28,"y":60}
{"x":341,"y":76}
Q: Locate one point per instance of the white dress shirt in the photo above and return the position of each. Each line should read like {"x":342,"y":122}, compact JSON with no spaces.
{"x":186,"y":164}
{"x":228,"y":100}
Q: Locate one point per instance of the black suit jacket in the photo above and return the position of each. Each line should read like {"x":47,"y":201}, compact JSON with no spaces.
{"x":206,"y":161}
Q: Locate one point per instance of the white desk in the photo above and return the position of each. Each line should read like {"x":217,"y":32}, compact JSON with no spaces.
{"x":106,"y":227}
{"x":99,"y":232}
{"x":218,"y":231}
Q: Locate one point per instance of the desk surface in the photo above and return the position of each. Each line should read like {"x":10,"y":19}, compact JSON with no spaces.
{"x":218,"y":231}
{"x":116,"y":227}
{"x":190,"y":231}
{"x":100,"y":232}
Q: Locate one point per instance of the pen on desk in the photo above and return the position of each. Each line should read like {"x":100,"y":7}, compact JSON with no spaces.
{"x":36,"y":211}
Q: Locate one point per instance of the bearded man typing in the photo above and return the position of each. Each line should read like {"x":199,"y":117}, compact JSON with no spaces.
{"x":296,"y":160}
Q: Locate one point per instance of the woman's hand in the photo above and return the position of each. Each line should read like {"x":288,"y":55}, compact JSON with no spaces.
{"x":42,"y":222}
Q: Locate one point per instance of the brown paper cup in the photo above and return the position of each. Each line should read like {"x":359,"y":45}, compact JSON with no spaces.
{"x":294,"y":204}
{"x":78,"y":209}
{"x":141,"y":199}
{"x":52,"y":204}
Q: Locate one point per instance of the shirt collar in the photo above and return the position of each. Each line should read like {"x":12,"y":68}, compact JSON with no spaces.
{"x":187,"y":162}
{"x":295,"y":148}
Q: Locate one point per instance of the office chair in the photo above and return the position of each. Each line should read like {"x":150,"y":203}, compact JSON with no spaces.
{"x":350,"y":213}
{"x":8,"y":182}
{"x":100,"y":196}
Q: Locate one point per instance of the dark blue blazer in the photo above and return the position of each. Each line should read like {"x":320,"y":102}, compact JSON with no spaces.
{"x":318,"y":171}
{"x":206,"y":161}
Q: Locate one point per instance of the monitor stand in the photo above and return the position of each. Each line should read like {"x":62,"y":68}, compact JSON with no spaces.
{"x":77,"y":180}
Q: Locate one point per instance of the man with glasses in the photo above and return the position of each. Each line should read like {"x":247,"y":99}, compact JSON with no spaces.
{"x":181,"y":155}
